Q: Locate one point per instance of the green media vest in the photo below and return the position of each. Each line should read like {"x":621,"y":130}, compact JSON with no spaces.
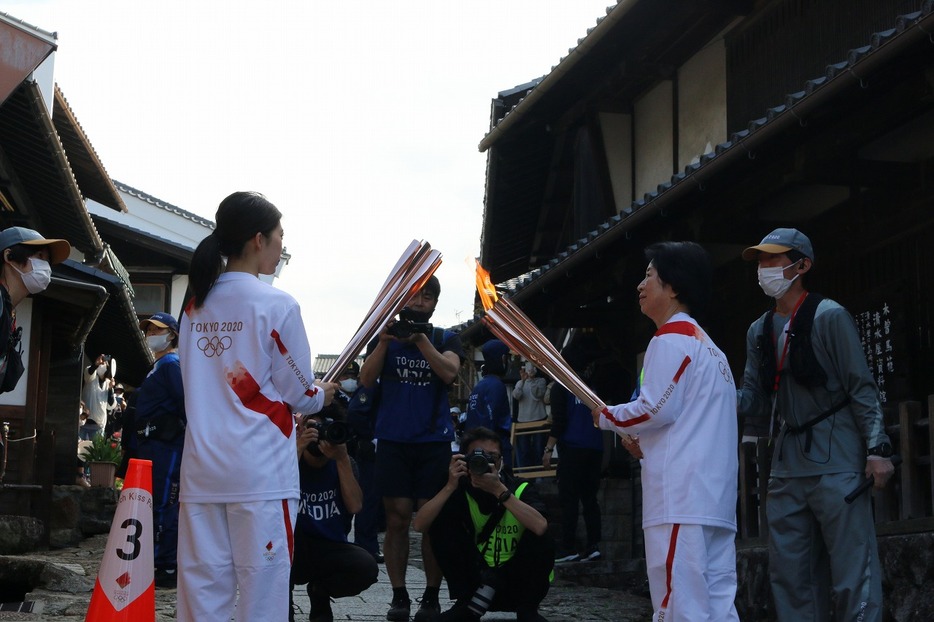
{"x":504,"y":539}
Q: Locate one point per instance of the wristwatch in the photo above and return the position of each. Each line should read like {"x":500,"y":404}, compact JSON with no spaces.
{"x":504,"y":496}
{"x":883,"y":450}
{"x":549,"y":450}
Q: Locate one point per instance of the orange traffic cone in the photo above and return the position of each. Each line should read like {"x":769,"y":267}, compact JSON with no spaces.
{"x":124,"y":590}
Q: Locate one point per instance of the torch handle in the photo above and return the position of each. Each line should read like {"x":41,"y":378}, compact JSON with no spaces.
{"x":869,"y":481}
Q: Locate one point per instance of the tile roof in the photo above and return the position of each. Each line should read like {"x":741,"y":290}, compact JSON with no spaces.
{"x":92,"y":177}
{"x":565,"y":64}
{"x":883,"y":46}
{"x":164,"y":205}
{"x":324,"y":362}
{"x":32,"y":146}
{"x":49,"y":37}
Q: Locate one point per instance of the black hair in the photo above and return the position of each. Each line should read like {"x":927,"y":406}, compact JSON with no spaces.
{"x":479,"y":433}
{"x":433,"y":285}
{"x":20,"y":253}
{"x":795,"y":255}
{"x":239,"y":217}
{"x":686,"y":267}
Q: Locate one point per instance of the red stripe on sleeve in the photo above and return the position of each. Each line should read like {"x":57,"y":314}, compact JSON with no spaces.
{"x":247,"y":390}
{"x":282,"y":349}
{"x":669,"y":563}
{"x":684,"y":364}
{"x":624,"y":424}
{"x":190,"y":306}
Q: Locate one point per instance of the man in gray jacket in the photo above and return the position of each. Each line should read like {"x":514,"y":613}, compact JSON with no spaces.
{"x":806,"y":371}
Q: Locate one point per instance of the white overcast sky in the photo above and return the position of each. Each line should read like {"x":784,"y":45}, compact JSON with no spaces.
{"x":359,"y":120}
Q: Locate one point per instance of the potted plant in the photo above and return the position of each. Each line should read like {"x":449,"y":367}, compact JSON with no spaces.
{"x":102,"y":457}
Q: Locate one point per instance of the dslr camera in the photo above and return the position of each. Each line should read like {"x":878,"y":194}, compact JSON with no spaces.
{"x":409,"y":323}
{"x":478,"y":462}
{"x":334,"y":432}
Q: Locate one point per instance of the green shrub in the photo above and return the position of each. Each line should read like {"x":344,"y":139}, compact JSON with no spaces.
{"x":103,"y":449}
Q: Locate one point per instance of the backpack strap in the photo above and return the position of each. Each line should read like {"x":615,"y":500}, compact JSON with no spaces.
{"x":766,"y":347}
{"x":802,"y":362}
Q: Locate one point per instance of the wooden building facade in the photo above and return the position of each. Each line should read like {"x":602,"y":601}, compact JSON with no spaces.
{"x":717,"y":122}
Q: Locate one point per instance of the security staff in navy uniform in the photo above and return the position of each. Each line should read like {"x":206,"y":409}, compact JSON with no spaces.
{"x":160,"y":423}
{"x":489,"y":535}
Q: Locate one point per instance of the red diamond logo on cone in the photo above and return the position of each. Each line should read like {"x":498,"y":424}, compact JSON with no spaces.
{"x":124,"y":579}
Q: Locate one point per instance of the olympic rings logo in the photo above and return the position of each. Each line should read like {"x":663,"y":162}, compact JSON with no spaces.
{"x":214,"y":346}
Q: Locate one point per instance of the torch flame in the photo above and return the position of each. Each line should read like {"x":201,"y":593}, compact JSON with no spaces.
{"x":485,"y":289}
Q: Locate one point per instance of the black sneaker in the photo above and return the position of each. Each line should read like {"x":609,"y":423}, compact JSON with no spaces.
{"x":458,"y":613}
{"x":399,"y":610}
{"x":166,"y":578}
{"x":428,"y":610}
{"x":529,"y":615}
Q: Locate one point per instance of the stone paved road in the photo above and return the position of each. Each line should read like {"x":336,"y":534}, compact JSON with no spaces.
{"x":66,"y":579}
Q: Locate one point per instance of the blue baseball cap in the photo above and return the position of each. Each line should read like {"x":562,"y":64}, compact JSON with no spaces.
{"x":160,"y":320}
{"x":781,"y":241}
{"x":58,"y":249}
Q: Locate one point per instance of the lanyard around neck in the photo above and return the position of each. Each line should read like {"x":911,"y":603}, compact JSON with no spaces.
{"x":781,"y":360}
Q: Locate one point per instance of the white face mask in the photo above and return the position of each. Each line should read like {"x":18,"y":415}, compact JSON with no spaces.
{"x":158,"y":343}
{"x":101,"y":370}
{"x":773,"y":281}
{"x":349,"y":385}
{"x":40,"y":277}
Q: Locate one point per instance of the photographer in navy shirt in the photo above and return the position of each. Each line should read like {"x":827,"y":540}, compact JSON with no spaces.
{"x":413,"y":369}
{"x":330,"y":496}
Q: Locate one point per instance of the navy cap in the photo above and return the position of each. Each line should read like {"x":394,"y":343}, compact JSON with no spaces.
{"x":781,"y":241}
{"x":493,"y":350}
{"x":160,"y":320}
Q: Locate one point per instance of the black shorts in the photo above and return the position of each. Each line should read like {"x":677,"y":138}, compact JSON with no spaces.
{"x":411,"y":470}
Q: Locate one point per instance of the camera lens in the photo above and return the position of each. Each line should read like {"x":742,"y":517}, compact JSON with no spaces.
{"x":478,"y":463}
{"x":335,"y":432}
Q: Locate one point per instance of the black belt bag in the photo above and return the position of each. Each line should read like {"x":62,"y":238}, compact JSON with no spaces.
{"x":163,"y":428}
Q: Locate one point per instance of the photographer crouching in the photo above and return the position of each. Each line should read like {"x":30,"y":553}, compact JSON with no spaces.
{"x":329,"y":497}
{"x":488,"y":534}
